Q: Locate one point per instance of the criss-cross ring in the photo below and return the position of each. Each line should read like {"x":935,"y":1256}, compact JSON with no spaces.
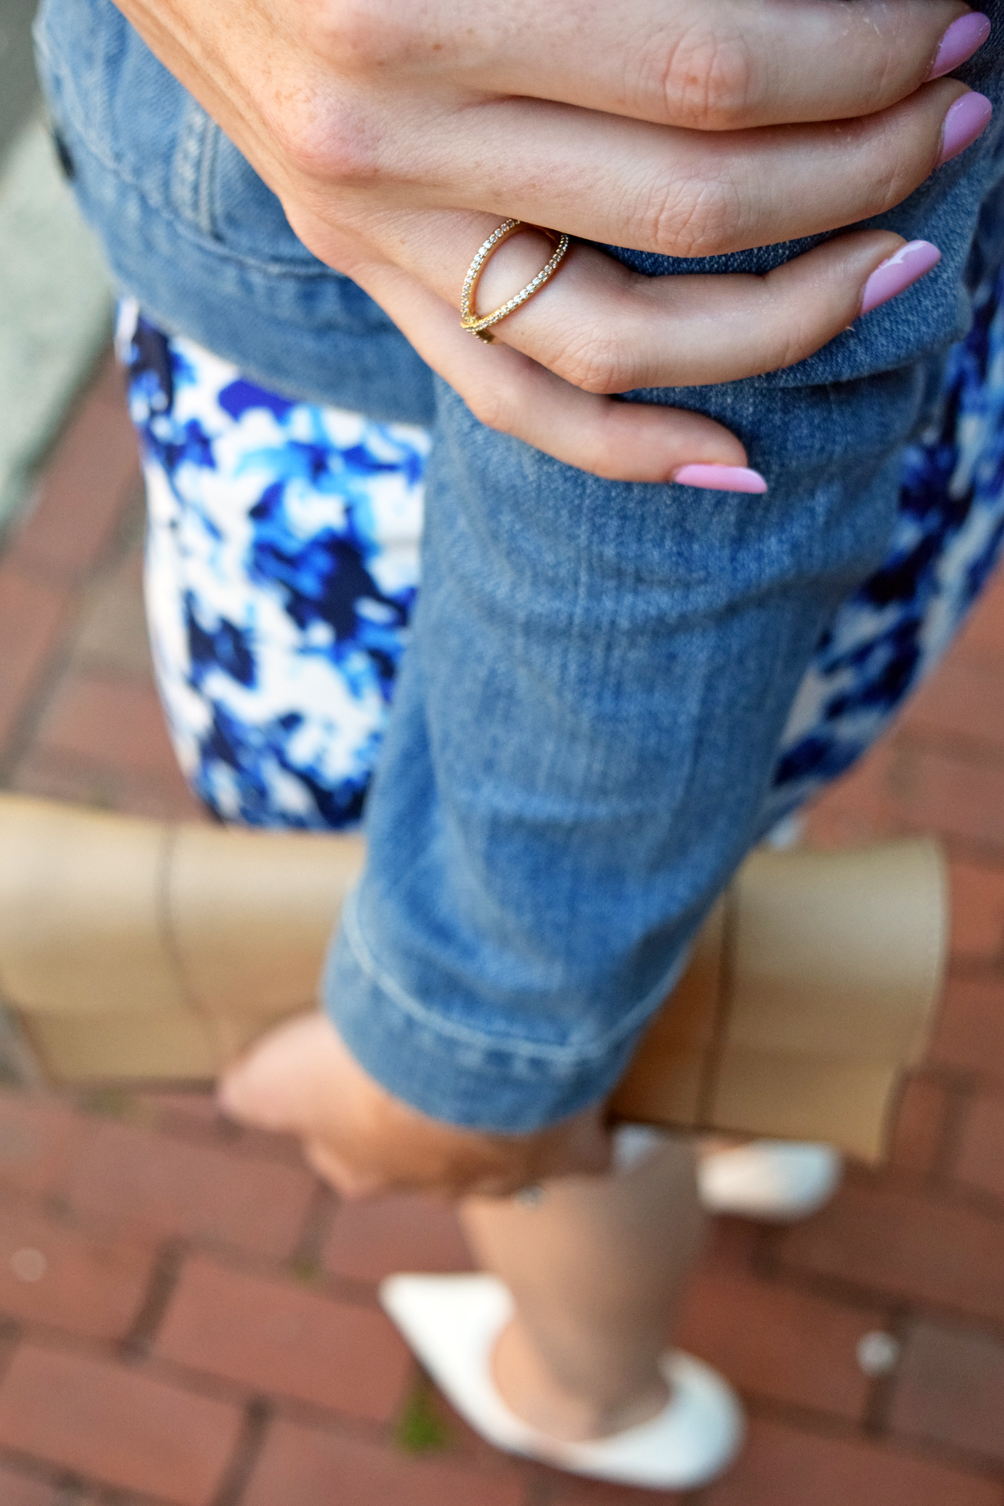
{"x":480,"y":324}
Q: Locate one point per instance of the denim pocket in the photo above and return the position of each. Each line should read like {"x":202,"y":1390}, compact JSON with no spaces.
{"x":192,"y":232}
{"x":107,"y":89}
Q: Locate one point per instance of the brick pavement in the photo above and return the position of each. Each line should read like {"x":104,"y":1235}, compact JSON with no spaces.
{"x":163,"y":1342}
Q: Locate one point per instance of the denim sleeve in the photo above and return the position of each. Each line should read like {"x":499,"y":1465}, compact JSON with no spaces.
{"x":590,"y":709}
{"x":587,"y":718}
{"x":190,"y":229}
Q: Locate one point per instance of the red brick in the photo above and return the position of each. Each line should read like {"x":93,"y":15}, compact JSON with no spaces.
{"x":371,"y":1239}
{"x":732,"y":1247}
{"x":964,"y":700}
{"x":977,"y":913}
{"x":111,"y":634}
{"x":252,"y":1140}
{"x":785,"y":1467}
{"x":921,"y":1123}
{"x":56,"y":776}
{"x":112,"y":1424}
{"x":981,"y":1150}
{"x":858,"y":807}
{"x":275,"y":1337}
{"x":773,"y":1341}
{"x":37,"y":1135}
{"x":93,"y":476}
{"x":982,"y":638}
{"x":19,"y":1490}
{"x":112,"y":721}
{"x":969,"y":1031}
{"x":570,"y":1491}
{"x":55,"y":1275}
{"x":194,"y":1111}
{"x":950,"y":1390}
{"x":310,"y":1468}
{"x":156,"y":1185}
{"x":32,"y":616}
{"x":913,"y":1247}
{"x":954,"y":796}
{"x":108,"y":383}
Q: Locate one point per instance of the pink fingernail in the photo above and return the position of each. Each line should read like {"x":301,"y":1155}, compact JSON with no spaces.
{"x":721,"y":478}
{"x":964,"y":37}
{"x":898,"y":273}
{"x":967,"y":119}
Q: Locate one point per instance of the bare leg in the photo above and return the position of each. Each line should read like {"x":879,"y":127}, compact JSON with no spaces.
{"x":596,"y":1268}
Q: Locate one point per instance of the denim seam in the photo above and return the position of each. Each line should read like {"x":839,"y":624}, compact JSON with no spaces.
{"x":217,"y":249}
{"x":447,"y":1029}
{"x":191,"y":160}
{"x":207,"y":178}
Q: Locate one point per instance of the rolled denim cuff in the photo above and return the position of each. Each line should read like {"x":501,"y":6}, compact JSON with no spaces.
{"x":459,"y":1074}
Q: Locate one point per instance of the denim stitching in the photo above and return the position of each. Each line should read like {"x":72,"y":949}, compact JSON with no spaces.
{"x":83,"y":139}
{"x":188,"y":179}
{"x":491,"y":1044}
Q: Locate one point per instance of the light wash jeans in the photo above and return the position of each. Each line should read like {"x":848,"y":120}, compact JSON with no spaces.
{"x":589,"y":711}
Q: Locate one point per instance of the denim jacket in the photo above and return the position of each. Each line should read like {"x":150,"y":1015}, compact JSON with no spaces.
{"x":600,"y":673}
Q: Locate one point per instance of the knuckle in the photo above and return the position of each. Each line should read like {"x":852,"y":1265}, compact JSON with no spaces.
{"x":888,"y":166}
{"x":793,"y":333}
{"x":497,"y":405}
{"x":327,"y":141}
{"x":889,"y":154}
{"x":594,"y":362}
{"x":707,"y":79}
{"x":886,"y":81}
{"x":356,"y":36}
{"x":695,"y":216}
{"x":895,"y":183}
{"x":788,"y":348}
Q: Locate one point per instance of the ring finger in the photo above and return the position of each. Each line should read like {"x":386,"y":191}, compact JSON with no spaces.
{"x":607,"y":329}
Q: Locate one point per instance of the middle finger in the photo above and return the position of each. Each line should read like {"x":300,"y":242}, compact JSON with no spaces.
{"x":676,"y":192}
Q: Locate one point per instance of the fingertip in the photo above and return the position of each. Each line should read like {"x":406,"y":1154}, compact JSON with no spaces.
{"x":898,"y":272}
{"x":967,"y":119}
{"x":964,"y":37}
{"x":721,"y":478}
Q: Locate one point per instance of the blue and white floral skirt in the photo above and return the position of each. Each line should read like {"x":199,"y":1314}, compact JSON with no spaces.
{"x":282,"y":568}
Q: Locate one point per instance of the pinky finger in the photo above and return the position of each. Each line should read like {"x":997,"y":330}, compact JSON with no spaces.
{"x":511,"y":393}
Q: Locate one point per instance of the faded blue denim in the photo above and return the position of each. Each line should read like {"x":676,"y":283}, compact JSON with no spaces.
{"x":586,"y":722}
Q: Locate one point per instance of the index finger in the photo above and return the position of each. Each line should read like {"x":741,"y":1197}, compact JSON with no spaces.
{"x":725,"y":65}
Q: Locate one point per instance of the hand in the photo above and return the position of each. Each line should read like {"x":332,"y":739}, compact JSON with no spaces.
{"x":397,"y":137}
{"x":300,"y":1079}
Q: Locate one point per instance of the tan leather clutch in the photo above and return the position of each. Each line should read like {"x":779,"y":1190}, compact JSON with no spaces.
{"x":809,"y":995}
{"x":133,"y":950}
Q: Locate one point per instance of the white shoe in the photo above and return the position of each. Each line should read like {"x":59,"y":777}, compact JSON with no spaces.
{"x":453,"y":1322}
{"x":778,"y":1180}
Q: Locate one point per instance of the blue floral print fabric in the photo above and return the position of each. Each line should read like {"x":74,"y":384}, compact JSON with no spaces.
{"x":888,"y":636}
{"x":282,"y":567}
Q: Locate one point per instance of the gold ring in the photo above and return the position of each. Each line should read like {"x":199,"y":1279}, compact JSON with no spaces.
{"x":480,"y":325}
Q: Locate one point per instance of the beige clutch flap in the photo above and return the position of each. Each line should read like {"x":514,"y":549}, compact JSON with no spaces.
{"x":132,"y":950}
{"x":808,"y":997}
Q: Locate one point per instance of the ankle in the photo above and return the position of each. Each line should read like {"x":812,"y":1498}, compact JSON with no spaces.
{"x":577,"y":1411}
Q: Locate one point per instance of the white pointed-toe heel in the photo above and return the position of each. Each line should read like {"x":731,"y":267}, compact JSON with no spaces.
{"x":778,"y":1181}
{"x":453,"y":1322}
{"x":775,"y":1180}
